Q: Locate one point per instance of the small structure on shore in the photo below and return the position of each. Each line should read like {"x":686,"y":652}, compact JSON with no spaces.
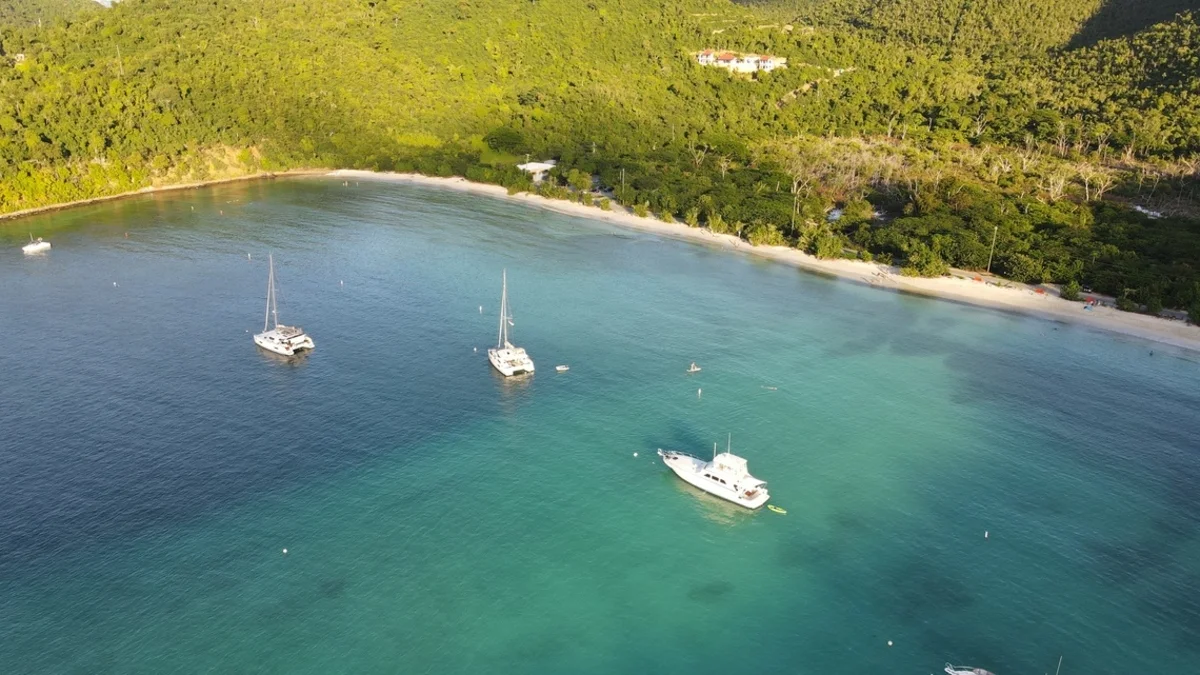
{"x":538,"y":170}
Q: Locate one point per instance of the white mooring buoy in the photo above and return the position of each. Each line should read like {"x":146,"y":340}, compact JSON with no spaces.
{"x":285,"y":551}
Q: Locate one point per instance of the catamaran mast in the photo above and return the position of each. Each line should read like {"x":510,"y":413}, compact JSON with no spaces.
{"x":270,"y":292}
{"x":502,"y":339}
{"x":274,"y":294}
{"x":272,"y":307}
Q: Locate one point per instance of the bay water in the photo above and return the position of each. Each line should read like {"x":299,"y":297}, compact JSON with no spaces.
{"x":154,"y":464}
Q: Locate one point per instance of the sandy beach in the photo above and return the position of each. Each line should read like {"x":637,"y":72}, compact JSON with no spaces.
{"x":1017,"y":298}
{"x":160,"y":188}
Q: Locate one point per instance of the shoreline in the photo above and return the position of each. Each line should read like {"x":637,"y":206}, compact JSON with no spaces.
{"x":1019,"y":298}
{"x":262,"y":175}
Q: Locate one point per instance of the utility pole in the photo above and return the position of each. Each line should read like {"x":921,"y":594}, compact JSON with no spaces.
{"x":993,"y":251}
{"x":120,"y":65}
{"x":622,"y":182}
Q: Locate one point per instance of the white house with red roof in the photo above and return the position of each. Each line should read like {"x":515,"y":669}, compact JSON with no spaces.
{"x":740,"y":63}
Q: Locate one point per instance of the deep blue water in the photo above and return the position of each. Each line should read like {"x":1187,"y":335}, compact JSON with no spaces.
{"x":438,"y":519}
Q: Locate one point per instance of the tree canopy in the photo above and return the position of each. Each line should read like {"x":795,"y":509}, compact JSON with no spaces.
{"x":931,"y":124}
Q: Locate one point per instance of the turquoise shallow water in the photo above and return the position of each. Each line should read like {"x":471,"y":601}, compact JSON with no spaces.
{"x":154,"y":464}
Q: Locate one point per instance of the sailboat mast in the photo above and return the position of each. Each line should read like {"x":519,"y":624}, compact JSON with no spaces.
{"x":503,"y":337}
{"x":270,"y":292}
{"x":274,"y":295}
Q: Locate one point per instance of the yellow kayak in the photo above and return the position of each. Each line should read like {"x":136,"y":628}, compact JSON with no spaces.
{"x":776,"y":509}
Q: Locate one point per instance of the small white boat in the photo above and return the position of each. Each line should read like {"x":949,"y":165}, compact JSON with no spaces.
{"x":693,"y":368}
{"x":506,"y":358}
{"x":36,"y":245}
{"x":726,"y":476}
{"x":966,"y":670}
{"x":285,"y":340}
{"x":562,"y":369}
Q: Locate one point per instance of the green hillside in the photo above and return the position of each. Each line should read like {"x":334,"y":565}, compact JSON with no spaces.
{"x":1049,"y":148}
{"x":987,"y":27}
{"x":29,"y":12}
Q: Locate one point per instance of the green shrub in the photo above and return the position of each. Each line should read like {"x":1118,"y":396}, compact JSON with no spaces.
{"x":827,"y":246}
{"x":606,"y":204}
{"x":1070,"y":291}
{"x":717,"y":224}
{"x":642,"y":210}
{"x":924,"y":262}
{"x":1127,"y":305}
{"x":765,"y":234}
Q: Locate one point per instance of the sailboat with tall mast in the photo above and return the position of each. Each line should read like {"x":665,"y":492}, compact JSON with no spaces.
{"x":506,"y":358}
{"x":285,"y":340}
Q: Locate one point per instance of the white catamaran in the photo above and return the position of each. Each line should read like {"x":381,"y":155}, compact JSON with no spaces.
{"x":506,"y":358}
{"x":286,"y":340}
{"x":726,"y":476}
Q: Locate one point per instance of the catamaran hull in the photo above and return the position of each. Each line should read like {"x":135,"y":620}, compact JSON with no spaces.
{"x":40,"y":247}
{"x":508,"y":369}
{"x":284,"y":348}
{"x":688,"y":468}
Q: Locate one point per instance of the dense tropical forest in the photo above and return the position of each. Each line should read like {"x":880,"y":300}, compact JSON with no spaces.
{"x":31,"y":12}
{"x":1069,"y":130}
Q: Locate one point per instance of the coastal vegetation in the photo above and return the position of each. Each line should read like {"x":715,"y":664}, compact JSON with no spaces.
{"x":915,"y":132}
{"x":43,"y":12}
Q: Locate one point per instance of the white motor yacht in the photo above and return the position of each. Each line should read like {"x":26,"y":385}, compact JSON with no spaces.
{"x":506,"y":358}
{"x":726,"y":476}
{"x":966,"y":670}
{"x":285,"y":340}
{"x":36,"y":245}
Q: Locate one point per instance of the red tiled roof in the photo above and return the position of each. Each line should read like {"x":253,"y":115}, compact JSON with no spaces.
{"x":725,"y":56}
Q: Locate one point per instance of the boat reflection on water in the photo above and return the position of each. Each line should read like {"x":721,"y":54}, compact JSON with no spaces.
{"x":297,"y":360}
{"x":710,"y":507}
{"x":513,"y":388}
